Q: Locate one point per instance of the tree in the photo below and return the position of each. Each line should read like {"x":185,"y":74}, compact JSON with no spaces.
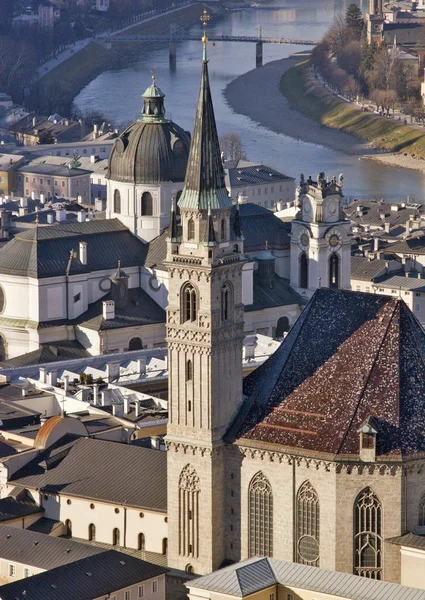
{"x":336,"y":36}
{"x":354,"y":21}
{"x":349,"y":58}
{"x":232,"y":147}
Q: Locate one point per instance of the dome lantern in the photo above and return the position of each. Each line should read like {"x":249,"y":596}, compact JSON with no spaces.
{"x":153,"y":102}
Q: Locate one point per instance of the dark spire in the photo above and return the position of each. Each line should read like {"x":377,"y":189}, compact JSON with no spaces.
{"x":173,"y":221}
{"x":210,"y":241}
{"x":204,"y":182}
{"x":237,"y":229}
{"x":153,"y":102}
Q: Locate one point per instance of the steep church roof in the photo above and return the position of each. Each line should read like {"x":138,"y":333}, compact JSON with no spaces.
{"x":205,"y":183}
{"x":349,"y":355}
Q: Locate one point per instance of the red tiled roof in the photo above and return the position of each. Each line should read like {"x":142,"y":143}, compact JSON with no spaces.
{"x":350,"y":355}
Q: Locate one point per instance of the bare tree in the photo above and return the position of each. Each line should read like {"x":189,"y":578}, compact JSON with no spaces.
{"x":232,"y":147}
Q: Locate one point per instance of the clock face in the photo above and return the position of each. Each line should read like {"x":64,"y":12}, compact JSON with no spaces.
{"x":304,"y":239}
{"x":333,"y":240}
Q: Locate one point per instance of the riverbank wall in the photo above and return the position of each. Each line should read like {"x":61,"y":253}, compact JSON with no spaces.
{"x":55,"y":91}
{"x":320,"y":105}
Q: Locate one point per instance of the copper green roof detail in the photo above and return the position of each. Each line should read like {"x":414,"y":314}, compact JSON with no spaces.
{"x":204,"y":183}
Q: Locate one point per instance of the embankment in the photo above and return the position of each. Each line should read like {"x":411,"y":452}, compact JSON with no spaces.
{"x":322,"y":107}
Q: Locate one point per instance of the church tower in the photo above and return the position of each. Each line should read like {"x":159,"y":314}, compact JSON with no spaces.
{"x":204,"y":336}
{"x":375,"y":23}
{"x":320,"y":237}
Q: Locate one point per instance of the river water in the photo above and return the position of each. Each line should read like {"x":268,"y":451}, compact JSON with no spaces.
{"x":117,"y":94}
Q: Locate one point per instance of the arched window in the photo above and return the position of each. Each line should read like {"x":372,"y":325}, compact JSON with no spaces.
{"x":308,"y":525}
{"x":189,"y":370}
{"x":367,"y":535}
{"x":334,"y":271}
{"x":421,"y":521}
{"x":303,"y":271}
{"x":189,"y":492}
{"x":92,"y":532}
{"x":189,"y":303}
{"x":164,"y":546}
{"x":135,"y":344}
{"x":117,"y":202}
{"x":226,"y":302}
{"x":141,"y":541}
{"x":68,"y":527}
{"x":223,"y":229}
{"x":147,"y":204}
{"x":282,"y":326}
{"x":116,"y":537}
{"x":260,"y":512}
{"x":191,"y":229}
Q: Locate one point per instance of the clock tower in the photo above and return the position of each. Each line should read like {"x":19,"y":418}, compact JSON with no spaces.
{"x":320,"y":237}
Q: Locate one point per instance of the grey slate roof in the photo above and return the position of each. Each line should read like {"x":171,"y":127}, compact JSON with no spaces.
{"x":204,"y":183}
{"x":105,"y":476}
{"x":412,"y":246}
{"x":398,"y":282}
{"x":257,"y":574}
{"x":242,"y":176}
{"x":281,"y":294}
{"x":92,"y":577}
{"x":52,"y":352}
{"x":409,"y":540}
{"x":13,"y":508}
{"x":44,"y":251}
{"x":364,"y":269}
{"x":40,"y":550}
{"x":53,"y":170}
{"x":376,"y":213}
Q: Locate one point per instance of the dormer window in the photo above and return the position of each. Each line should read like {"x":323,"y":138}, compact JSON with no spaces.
{"x":367,"y":439}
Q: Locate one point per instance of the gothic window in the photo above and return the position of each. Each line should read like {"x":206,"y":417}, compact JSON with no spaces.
{"x":421,"y":521}
{"x":141,"y":541}
{"x":223,"y":229}
{"x":117,"y":202}
{"x":135,"y":344}
{"x":282,"y":326}
{"x":334,"y":271}
{"x":226,"y":302}
{"x":308,"y":525}
{"x":189,"y":303}
{"x":189,"y":370}
{"x":147,"y":204}
{"x":368,"y":535}
{"x":116,"y":537}
{"x":303,"y":271}
{"x":92,"y":532}
{"x":189,"y":492}
{"x":191,"y":229}
{"x":260,"y":513}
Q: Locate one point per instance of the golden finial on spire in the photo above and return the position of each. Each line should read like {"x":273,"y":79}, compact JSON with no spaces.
{"x":153,"y":71}
{"x":205,"y":17}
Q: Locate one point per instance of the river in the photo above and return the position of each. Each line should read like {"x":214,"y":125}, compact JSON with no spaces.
{"x":117,"y":94}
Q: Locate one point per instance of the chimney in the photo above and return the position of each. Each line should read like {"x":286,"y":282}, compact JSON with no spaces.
{"x":42,"y":373}
{"x":112,"y":371}
{"x":387,"y":227}
{"x":61,"y":215}
{"x":50,"y":219}
{"x":34,"y":121}
{"x":52,"y":378}
{"x":126,"y":405}
{"x":141,"y":366}
{"x":249,"y":346}
{"x":93,"y":159}
{"x":23,"y":202}
{"x":95,"y":130}
{"x":83,"y":253}
{"x":108,"y":309}
{"x":137,"y":408}
{"x":23,"y":211}
{"x":41,"y":197}
{"x":117,"y":410}
{"x":79,"y":199}
{"x":95,"y":394}
{"x":376,"y":244}
{"x":156,"y":442}
{"x":105,"y":397}
{"x":81,"y":216}
{"x":66,"y":384}
{"x":33,"y":195}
